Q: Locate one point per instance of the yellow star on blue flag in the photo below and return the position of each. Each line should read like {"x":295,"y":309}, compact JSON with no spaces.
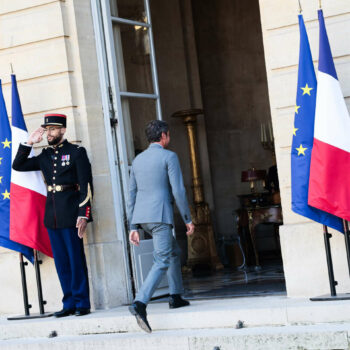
{"x":6,"y":143}
{"x":306,"y":89}
{"x":6,"y":194}
{"x":301,"y":150}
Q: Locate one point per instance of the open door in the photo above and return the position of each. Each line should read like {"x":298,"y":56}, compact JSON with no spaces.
{"x":135,"y":97}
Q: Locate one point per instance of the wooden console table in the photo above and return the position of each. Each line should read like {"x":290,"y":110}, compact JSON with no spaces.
{"x":256,"y":209}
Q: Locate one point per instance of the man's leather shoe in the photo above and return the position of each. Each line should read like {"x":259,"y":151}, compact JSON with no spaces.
{"x":82,"y":312}
{"x":64,"y":313}
{"x":138,"y":309}
{"x":175,"y":301}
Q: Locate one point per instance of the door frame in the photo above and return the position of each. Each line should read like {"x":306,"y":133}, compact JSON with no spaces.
{"x":113,"y":118}
{"x":113,"y":139}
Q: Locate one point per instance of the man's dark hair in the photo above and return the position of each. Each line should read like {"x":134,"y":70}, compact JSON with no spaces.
{"x":154,"y":130}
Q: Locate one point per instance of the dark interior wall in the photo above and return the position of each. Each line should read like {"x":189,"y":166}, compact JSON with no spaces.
{"x":235,"y":96}
{"x":173,"y":83}
{"x":233,"y":87}
{"x":176,"y":86}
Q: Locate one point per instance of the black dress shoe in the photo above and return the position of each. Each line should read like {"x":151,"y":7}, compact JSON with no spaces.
{"x":64,"y":313}
{"x":81,"y":312}
{"x":138,"y":309}
{"x":175,"y":301}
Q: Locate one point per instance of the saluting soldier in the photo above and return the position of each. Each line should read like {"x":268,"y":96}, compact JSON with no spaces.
{"x":67,"y":172}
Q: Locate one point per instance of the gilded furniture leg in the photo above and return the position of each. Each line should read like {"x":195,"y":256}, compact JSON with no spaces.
{"x":252,"y":236}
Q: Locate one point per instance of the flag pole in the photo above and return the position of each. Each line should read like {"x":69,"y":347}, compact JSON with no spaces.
{"x":23,"y":264}
{"x":347,"y":241}
{"x":300,"y":8}
{"x":41,"y":301}
{"x":27,"y":306}
{"x":332,"y":283}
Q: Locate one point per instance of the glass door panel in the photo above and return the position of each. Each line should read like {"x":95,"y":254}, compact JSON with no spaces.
{"x":133,"y":58}
{"x":129,"y":9}
{"x":137,"y":112}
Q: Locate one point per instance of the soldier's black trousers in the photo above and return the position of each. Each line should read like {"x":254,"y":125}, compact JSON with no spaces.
{"x":68,"y":253}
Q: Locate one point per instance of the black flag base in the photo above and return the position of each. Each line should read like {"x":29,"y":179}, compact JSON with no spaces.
{"x":41,"y":301}
{"x":329,"y":297}
{"x":332,"y":282}
{"x":28,"y":317}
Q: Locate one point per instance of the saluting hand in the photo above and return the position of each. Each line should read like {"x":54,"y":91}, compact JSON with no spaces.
{"x":134,"y":238}
{"x":81,"y":226}
{"x":36,"y":136}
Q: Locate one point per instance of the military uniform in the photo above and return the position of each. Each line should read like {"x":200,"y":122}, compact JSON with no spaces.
{"x":67,"y":172}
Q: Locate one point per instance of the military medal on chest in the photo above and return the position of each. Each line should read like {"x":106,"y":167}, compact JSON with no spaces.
{"x":65,"y":159}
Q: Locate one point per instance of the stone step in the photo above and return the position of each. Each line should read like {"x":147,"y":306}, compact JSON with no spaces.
{"x":201,"y":314}
{"x":324,"y":336}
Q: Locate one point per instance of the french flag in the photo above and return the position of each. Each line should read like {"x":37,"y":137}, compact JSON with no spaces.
{"x":329,"y":184}
{"x":28,"y":191}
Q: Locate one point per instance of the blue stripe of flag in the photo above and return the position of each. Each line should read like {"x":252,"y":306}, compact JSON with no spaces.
{"x":5,"y":183}
{"x":17,"y":115}
{"x":325,"y":63}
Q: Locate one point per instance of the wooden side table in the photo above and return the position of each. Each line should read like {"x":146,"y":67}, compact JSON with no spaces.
{"x":249,"y":216}
{"x":271,"y":214}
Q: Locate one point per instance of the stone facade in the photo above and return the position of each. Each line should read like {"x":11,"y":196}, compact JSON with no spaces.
{"x":51,"y":46}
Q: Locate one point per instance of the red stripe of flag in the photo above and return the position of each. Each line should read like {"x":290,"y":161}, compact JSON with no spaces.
{"x":329,"y":179}
{"x":26,"y":222}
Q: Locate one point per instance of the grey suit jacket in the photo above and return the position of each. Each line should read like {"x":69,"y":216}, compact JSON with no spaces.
{"x":155,"y":181}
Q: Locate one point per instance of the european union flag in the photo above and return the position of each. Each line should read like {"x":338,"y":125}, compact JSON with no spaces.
{"x":5,"y":182}
{"x":303,"y":137}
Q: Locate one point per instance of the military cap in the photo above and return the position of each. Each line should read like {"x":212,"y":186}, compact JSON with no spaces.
{"x":55,"y":120}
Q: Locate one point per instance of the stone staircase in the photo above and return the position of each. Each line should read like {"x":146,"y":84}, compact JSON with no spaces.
{"x":271,"y":323}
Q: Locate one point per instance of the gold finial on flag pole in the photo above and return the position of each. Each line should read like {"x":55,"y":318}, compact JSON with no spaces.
{"x":319,"y":2}
{"x":11,"y":68}
{"x":300,"y":9}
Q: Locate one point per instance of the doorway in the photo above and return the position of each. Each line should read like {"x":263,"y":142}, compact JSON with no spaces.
{"x":180,"y":54}
{"x":210,"y":55}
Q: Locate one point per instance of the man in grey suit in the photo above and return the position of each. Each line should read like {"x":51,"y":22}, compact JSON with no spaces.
{"x":155,"y":181}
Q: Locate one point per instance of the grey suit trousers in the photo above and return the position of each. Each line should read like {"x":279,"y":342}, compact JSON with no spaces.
{"x":166,"y":255}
